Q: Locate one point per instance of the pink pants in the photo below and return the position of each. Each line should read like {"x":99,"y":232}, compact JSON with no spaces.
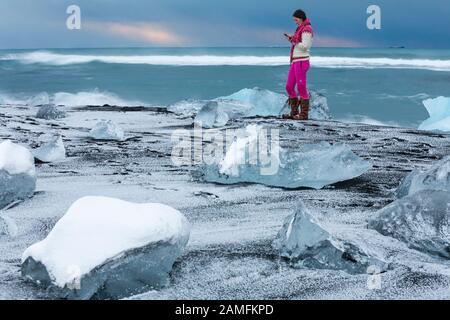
{"x":297,"y":76}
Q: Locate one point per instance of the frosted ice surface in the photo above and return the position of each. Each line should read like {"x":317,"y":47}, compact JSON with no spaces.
{"x":435,"y":178}
{"x":107,"y":130}
{"x":51,"y":151}
{"x":210,"y":116}
{"x":421,"y":220}
{"x":217,"y":113}
{"x":17,"y":173}
{"x":309,"y":165}
{"x":249,"y":103}
{"x":50,"y":112}
{"x":306,"y":244}
{"x":263,"y":102}
{"x":186,"y":108}
{"x":439,"y":114}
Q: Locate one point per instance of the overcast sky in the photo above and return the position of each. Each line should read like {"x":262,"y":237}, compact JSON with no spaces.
{"x":119,"y":23}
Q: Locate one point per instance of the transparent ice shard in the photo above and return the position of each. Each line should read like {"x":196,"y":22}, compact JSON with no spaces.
{"x":107,"y":130}
{"x":309,"y":165}
{"x":439,"y":114}
{"x":307,"y":244}
{"x":421,"y":220}
{"x":435,"y":178}
{"x":51,"y":151}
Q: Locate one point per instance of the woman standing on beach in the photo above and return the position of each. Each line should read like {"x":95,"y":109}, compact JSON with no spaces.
{"x":301,"y":42}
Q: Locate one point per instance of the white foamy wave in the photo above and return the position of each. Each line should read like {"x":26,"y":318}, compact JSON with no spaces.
{"x":84,"y":98}
{"x":204,"y":60}
{"x":373,"y":63}
{"x":51,"y":58}
{"x":6,"y":99}
{"x":95,"y":98}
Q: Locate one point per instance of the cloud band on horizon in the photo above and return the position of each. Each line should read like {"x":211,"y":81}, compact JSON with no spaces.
{"x":150,"y":33}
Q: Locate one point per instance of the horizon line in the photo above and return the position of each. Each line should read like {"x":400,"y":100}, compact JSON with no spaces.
{"x":216,"y":47}
{"x":222,"y":47}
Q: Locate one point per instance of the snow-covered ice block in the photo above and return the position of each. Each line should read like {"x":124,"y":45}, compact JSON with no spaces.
{"x":39,"y":100}
{"x":307,"y":244}
{"x":435,"y":178}
{"x":17,"y":173}
{"x":107,"y":248}
{"x":439,"y":112}
{"x":421,"y":220}
{"x":50,"y":112}
{"x":309,"y":165}
{"x":107,"y":130}
{"x":51,"y":151}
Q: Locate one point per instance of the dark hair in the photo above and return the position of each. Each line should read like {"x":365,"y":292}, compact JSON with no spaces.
{"x":300,"y":14}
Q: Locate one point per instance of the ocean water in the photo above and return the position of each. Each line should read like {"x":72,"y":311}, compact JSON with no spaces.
{"x":364,"y":85}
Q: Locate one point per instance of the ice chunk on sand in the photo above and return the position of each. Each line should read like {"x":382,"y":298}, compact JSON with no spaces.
{"x":107,"y":130}
{"x":187,"y":108}
{"x":210,"y":116}
{"x":439,"y":111}
{"x":39,"y":100}
{"x":217,"y":113}
{"x":51,"y":151}
{"x":421,"y":220}
{"x":309,"y":165}
{"x":435,"y":178}
{"x":108,"y":248}
{"x":254,"y":102}
{"x":17,"y":173}
{"x":50,"y":112}
{"x":307,"y":244}
{"x":267,"y":103}
{"x":263,"y":102}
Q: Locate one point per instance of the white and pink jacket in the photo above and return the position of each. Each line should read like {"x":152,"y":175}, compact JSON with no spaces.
{"x":302,"y":42}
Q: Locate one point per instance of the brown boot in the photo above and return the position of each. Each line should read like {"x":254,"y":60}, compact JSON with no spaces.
{"x":293,"y":103}
{"x":304,"y":113}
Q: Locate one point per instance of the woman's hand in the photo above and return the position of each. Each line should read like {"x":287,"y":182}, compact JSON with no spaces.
{"x":288,"y":36}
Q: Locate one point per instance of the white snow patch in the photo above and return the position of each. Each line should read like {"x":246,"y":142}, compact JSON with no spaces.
{"x":97,"y":229}
{"x":16,"y":159}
